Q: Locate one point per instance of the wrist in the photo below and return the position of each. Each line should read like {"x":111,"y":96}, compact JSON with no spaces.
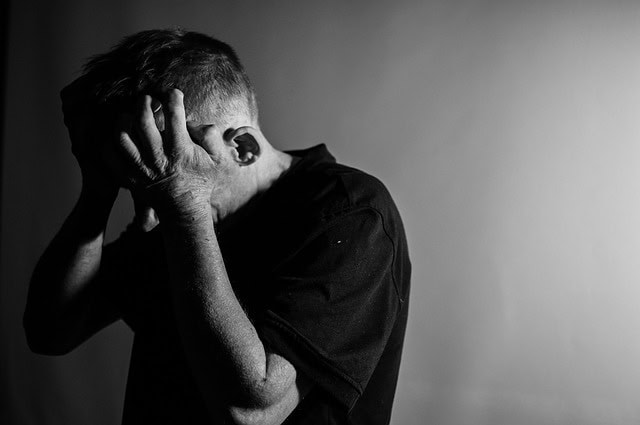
{"x":91,"y":213}
{"x":177,"y":196}
{"x":99,"y":196}
{"x":184,"y":208}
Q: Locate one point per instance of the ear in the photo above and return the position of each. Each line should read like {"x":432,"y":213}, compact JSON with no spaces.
{"x":244,"y":140}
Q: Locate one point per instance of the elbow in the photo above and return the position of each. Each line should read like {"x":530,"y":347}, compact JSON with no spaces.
{"x":255,"y":410}
{"x":46,"y":348}
{"x":268,"y":410}
{"x":42,"y":339}
{"x":250,"y":412}
{"x":251,"y":416}
{"x":270,"y":402}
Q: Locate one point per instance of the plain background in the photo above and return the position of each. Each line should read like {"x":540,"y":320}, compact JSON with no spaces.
{"x":507,"y":132}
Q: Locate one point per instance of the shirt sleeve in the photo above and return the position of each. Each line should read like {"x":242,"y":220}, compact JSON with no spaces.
{"x":335,"y":304}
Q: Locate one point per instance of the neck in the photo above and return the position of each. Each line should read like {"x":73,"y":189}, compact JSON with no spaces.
{"x":273,"y":164}
{"x":278,"y":163}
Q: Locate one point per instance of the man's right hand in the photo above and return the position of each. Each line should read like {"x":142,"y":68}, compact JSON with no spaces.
{"x":67,"y":302}
{"x":89,"y":128}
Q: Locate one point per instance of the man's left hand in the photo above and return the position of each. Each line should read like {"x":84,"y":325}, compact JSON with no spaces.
{"x":167,"y":168}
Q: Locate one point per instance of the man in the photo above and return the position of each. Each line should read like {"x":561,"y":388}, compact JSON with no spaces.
{"x":262,"y":286}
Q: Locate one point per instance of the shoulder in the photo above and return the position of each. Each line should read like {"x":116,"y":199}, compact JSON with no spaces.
{"x":356,"y":204}
{"x":332,"y":189}
{"x":321,"y":196}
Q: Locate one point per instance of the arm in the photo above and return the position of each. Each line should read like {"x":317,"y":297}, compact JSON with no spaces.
{"x":64,"y":305}
{"x":264,"y":386}
{"x":221,"y":344}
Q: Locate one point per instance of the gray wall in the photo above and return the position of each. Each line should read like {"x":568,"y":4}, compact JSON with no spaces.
{"x":507,"y":131}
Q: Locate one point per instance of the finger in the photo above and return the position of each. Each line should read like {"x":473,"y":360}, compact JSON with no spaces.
{"x":158,"y":115}
{"x":128,"y":148}
{"x":149,"y":140}
{"x":124,"y":144}
{"x":175,"y":120}
{"x":135,"y":169}
{"x":205,"y":136}
{"x":115,"y":165}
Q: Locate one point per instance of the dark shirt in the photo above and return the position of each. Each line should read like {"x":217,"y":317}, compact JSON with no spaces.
{"x":320,"y":264}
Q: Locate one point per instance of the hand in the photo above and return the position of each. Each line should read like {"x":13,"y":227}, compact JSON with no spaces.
{"x":166,"y":168}
{"x":89,"y":130}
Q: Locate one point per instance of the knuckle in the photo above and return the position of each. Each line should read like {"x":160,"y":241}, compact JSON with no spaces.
{"x":175,"y":101}
{"x":123,"y":139}
{"x":145,"y":126}
{"x":158,"y":166}
{"x":142,"y":121}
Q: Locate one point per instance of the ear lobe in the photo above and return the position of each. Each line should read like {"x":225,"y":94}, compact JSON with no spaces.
{"x":246,"y":146}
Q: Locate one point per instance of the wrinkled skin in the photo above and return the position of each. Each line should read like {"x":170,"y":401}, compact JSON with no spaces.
{"x":179,"y":168}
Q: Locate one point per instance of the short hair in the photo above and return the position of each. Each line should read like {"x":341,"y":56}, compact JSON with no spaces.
{"x":206,"y":70}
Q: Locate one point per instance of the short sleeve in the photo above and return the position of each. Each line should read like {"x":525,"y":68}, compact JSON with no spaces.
{"x":335,"y":303}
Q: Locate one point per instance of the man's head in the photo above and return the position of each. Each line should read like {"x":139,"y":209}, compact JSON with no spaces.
{"x":206,"y":70}
{"x":219,"y":101}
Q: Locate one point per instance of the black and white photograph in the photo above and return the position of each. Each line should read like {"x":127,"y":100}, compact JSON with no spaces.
{"x":411,"y":212}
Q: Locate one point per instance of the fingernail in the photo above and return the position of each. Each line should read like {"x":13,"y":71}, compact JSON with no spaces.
{"x":155,"y":105}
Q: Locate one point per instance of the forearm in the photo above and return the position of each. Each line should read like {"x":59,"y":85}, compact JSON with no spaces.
{"x":216,"y":332}
{"x":60,"y":284}
{"x":180,"y":177}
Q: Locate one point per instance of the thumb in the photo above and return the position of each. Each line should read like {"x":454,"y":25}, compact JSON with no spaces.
{"x":146,"y":217}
